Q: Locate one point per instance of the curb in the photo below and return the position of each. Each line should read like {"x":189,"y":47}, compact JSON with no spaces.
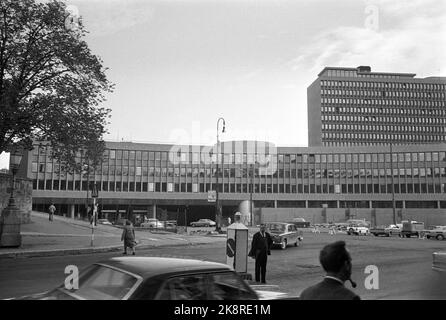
{"x":79,"y":251}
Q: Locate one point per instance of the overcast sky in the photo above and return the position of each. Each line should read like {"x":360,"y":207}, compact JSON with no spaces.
{"x":180,"y":65}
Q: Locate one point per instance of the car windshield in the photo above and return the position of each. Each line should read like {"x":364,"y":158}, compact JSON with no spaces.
{"x":275,"y":227}
{"x":102,"y":283}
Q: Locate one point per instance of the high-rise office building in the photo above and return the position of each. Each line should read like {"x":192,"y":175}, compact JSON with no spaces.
{"x":355,"y":106}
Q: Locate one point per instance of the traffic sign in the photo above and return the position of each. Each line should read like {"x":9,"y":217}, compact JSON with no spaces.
{"x":212,"y":196}
{"x":230,"y":247}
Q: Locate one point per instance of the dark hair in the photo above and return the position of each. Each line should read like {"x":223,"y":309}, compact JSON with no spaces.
{"x":128,"y":222}
{"x":333,"y":256}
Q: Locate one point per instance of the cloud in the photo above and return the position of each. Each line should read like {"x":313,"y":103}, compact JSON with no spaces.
{"x":409,"y":37}
{"x":108,"y":17}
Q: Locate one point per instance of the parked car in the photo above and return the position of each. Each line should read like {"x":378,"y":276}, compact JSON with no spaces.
{"x":153,"y":278}
{"x":439,"y":233}
{"x":104,"y":221}
{"x":388,"y":231}
{"x":152,"y":223}
{"x":170,"y":224}
{"x":412,"y":228}
{"x":358,"y":230}
{"x":341,"y":226}
{"x":284,"y":234}
{"x":203,"y":223}
{"x":301,"y":223}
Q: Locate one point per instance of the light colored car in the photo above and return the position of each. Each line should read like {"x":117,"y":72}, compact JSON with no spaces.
{"x":358,"y":230}
{"x":284,"y":234}
{"x":203,"y":223}
{"x":439,"y":233}
{"x":154,"y":278}
{"x":104,"y":221}
{"x":152,"y":223}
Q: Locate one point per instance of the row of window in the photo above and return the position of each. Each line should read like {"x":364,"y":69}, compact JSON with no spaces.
{"x":281,"y":159}
{"x":409,"y":138}
{"x":382,"y":110}
{"x":409,"y":120}
{"x":381,"y":128}
{"x":383,"y":94}
{"x":287,"y":173}
{"x":378,"y":84}
{"x":241,"y":187}
{"x":384,"y":102}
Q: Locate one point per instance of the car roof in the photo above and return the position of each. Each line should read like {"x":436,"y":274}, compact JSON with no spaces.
{"x":151,"y":266}
{"x":279,"y":223}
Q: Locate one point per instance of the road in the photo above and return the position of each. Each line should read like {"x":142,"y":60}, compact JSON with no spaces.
{"x":404,"y":265}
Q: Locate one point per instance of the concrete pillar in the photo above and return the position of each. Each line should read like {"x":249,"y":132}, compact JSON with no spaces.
{"x":438,"y":204}
{"x":275,"y":203}
{"x":154,"y":211}
{"x":72,"y":211}
{"x":404,"y":204}
{"x":370,"y":204}
{"x":337,"y":204}
{"x":306,"y":204}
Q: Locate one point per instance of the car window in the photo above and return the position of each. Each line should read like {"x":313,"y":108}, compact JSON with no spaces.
{"x":103,"y":283}
{"x":228,"y":286}
{"x":191,"y":287}
{"x":276,"y":227}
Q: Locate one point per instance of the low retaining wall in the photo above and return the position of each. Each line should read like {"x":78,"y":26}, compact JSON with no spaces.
{"x":376,"y":216}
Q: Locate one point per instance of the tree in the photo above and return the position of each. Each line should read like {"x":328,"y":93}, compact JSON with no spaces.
{"x":51,"y":85}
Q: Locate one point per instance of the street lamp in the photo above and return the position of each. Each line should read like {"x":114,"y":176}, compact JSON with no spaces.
{"x":10,"y":218}
{"x":250,"y":193}
{"x":217,"y":202}
{"x":393,"y":184}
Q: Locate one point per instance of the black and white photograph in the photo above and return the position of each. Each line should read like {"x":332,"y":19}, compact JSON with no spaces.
{"x":237,"y":152}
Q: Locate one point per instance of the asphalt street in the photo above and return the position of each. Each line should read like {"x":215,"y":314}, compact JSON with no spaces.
{"x":404,"y":266}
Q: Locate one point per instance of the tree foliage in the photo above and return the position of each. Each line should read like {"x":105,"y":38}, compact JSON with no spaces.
{"x":51,"y":85}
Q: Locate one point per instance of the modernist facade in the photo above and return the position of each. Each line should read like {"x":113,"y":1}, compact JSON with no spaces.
{"x":376,"y":150}
{"x":154,"y":177}
{"x":354,"y":106}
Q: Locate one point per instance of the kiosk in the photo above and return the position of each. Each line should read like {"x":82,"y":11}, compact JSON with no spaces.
{"x":237,"y":247}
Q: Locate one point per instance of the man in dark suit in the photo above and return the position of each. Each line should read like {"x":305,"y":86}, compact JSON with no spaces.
{"x":336,"y":261}
{"x":260,"y":249}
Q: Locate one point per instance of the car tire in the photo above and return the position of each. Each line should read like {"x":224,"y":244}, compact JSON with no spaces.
{"x":440,"y":237}
{"x":296,"y":244}
{"x":283,"y":244}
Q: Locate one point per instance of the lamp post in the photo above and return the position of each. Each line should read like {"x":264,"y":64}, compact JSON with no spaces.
{"x":217,"y":202}
{"x":10,"y":217}
{"x":250,"y":193}
{"x":393,"y":184}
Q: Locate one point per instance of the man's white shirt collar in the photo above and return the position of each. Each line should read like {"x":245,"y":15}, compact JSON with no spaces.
{"x":334,"y":278}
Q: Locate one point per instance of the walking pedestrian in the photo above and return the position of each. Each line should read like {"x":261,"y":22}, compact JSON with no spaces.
{"x":336,"y":261}
{"x":51,"y":210}
{"x":260,"y":249}
{"x":128,"y":236}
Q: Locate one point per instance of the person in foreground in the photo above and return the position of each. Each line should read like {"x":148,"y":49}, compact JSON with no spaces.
{"x":336,"y":262}
{"x":260,"y":250}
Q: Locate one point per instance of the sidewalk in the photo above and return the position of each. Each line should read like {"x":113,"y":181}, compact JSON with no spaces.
{"x":65,"y":236}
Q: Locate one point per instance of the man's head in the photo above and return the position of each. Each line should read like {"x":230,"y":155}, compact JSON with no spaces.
{"x":336,"y":260}
{"x":262,"y":227}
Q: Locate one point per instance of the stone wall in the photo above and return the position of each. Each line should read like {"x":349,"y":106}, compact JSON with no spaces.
{"x":22,"y":195}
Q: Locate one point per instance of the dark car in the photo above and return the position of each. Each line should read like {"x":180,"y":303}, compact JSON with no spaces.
{"x":284,"y":234}
{"x":153,"y":278}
